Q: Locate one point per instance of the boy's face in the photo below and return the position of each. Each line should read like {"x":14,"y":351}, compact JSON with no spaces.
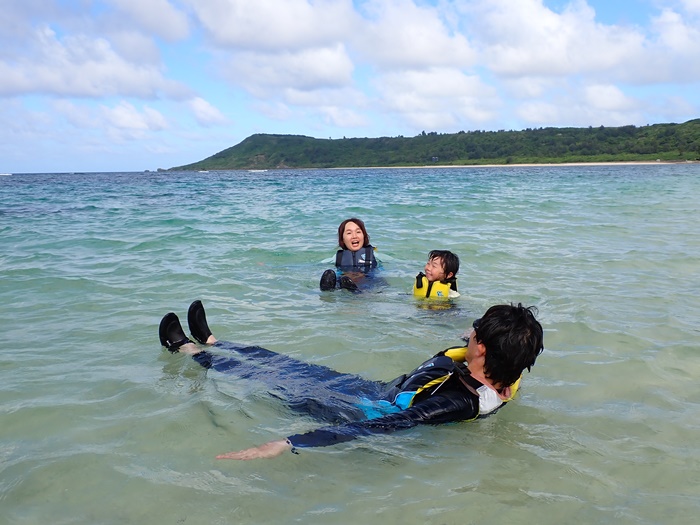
{"x":435,"y":270}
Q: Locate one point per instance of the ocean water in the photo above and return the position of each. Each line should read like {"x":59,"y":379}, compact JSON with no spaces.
{"x":100,"y":425}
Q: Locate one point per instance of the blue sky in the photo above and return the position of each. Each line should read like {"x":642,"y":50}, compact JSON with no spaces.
{"x":130,"y":85}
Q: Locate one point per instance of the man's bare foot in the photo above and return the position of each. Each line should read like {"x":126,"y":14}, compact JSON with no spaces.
{"x":189,"y":349}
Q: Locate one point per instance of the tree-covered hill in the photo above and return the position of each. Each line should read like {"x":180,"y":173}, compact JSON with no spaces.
{"x":667,"y":142}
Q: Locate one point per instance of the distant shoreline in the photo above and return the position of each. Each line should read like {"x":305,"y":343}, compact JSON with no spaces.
{"x":589,"y":146}
{"x":514,"y":165}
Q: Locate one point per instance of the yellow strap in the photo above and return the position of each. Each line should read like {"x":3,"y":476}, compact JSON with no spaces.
{"x":514,"y":389}
{"x":458,"y":354}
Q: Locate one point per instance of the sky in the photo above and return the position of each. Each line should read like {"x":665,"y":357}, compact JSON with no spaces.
{"x":133,"y":85}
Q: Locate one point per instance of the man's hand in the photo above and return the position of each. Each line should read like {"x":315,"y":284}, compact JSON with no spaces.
{"x":268,"y":450}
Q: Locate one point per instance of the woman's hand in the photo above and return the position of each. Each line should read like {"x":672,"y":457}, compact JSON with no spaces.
{"x":268,"y":450}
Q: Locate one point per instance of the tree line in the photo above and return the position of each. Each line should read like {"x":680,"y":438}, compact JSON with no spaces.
{"x":665,"y":142}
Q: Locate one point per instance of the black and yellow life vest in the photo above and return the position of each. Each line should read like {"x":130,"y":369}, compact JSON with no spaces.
{"x":427,"y":379}
{"x":440,"y":289}
{"x":362,"y":258}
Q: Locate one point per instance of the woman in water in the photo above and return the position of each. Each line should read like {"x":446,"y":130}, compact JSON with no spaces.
{"x":354,"y":260}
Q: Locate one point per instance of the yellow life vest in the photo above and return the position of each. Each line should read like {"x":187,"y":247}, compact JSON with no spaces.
{"x":436,"y":289}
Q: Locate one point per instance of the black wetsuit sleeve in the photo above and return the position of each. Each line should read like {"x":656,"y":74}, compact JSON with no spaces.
{"x":450,"y":407}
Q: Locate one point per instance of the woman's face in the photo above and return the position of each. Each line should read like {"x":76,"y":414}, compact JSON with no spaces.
{"x":353,"y":238}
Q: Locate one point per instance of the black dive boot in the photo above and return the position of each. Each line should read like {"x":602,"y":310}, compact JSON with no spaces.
{"x":328,"y":280}
{"x":348,"y":284}
{"x":171,"y":334}
{"x":197,"y":320}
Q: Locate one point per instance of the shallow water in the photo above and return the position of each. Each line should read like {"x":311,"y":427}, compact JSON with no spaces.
{"x":99,"y":424}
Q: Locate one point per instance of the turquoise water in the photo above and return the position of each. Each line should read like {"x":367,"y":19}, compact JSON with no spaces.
{"x":99,"y":424}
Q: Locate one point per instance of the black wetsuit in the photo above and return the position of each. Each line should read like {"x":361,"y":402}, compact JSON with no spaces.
{"x":356,"y":406}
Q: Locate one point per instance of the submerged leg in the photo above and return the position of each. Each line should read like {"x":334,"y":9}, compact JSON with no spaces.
{"x":314,"y":389}
{"x":294,"y":374}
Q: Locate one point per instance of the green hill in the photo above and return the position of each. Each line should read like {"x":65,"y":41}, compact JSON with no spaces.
{"x":667,"y":142}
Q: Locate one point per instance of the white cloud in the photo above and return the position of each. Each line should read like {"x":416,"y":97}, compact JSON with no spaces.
{"x":78,"y":116}
{"x":274,"y":110}
{"x":525,"y":38}
{"x":438,"y":99}
{"x":17,"y":123}
{"x":668,"y":109}
{"x":124,"y":121}
{"x":523,"y":48}
{"x":133,"y":47}
{"x":337,"y":107}
{"x":676,"y":35}
{"x":692,"y":6}
{"x":158,"y":17}
{"x":307,"y":69}
{"x":608,"y":98}
{"x":598,"y":105}
{"x":539,"y":112}
{"x":528,"y":87}
{"x":276,"y":25}
{"x":342,"y":117}
{"x":80,"y":66}
{"x":205,"y":113}
{"x":670,"y":54}
{"x":401,"y":34}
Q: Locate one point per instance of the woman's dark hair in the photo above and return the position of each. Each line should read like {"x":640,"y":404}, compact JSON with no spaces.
{"x":513,"y":339}
{"x":341,"y":229}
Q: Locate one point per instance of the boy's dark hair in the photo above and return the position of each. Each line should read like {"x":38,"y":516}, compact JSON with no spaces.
{"x":341,"y":230}
{"x":450,"y":262}
{"x":513,"y":339}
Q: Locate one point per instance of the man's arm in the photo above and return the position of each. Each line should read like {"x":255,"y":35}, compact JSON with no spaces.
{"x":435,"y":410}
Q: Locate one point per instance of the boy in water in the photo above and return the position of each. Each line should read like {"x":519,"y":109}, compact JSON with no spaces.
{"x":440,"y":277}
{"x":457,"y":384}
